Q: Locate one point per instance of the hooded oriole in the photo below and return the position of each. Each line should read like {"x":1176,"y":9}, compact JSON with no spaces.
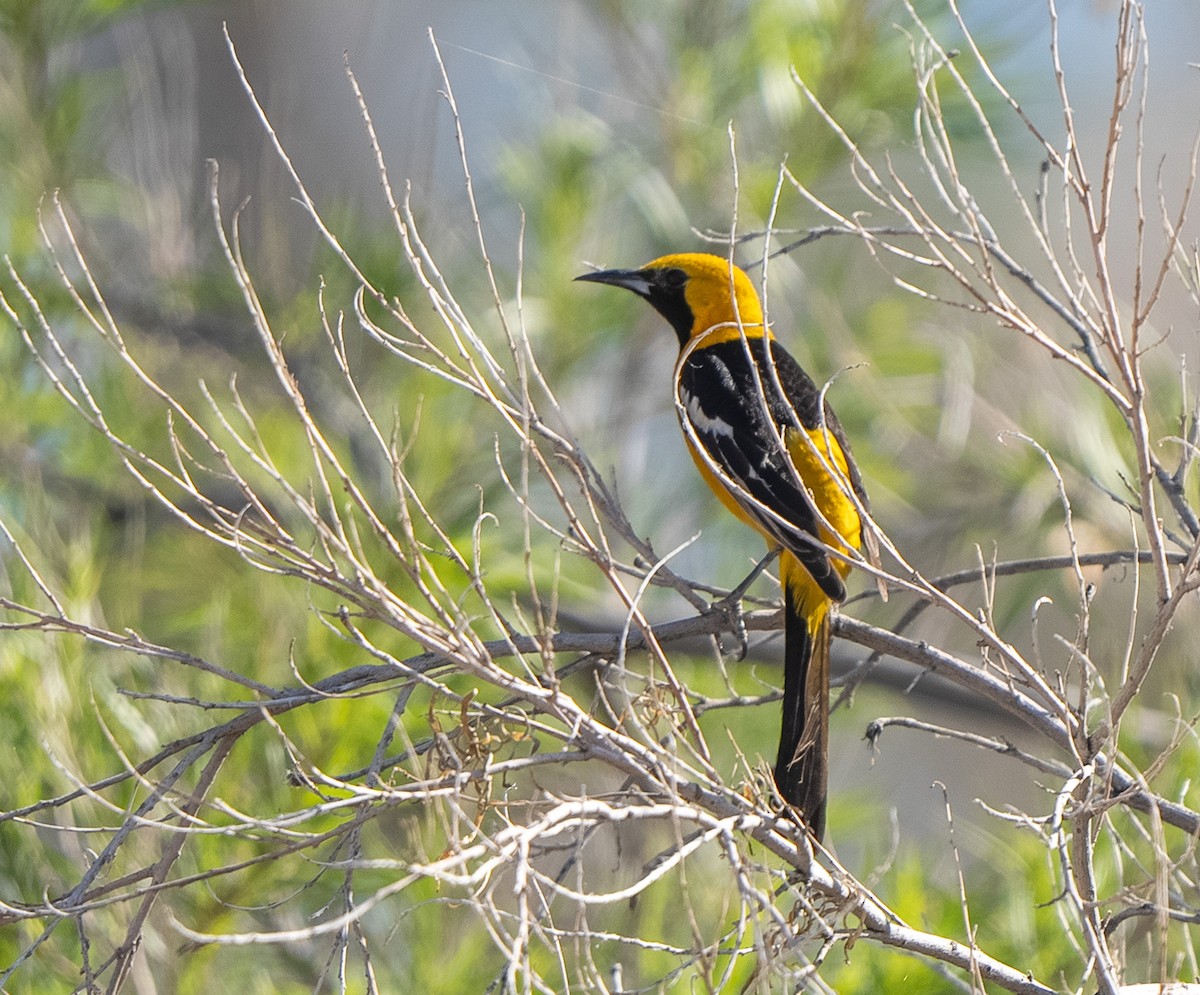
{"x":776,"y":456}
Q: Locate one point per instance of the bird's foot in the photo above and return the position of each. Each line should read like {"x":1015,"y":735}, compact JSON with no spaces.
{"x":731,"y":605}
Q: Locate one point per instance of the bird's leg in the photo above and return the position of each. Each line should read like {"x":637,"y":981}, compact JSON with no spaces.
{"x":731,"y":604}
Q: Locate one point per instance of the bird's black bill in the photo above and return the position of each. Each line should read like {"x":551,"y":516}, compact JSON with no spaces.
{"x":631,"y":279}
{"x":663,"y":288}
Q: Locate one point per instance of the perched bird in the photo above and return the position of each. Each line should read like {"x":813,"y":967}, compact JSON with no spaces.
{"x":776,"y":456}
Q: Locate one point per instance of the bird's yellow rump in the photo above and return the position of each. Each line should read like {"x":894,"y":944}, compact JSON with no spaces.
{"x":775,"y":455}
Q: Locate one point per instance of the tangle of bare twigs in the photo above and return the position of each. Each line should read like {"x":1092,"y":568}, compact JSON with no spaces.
{"x":531,"y":750}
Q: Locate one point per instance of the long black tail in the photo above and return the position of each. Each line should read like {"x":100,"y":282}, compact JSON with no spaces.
{"x":802,"y":767}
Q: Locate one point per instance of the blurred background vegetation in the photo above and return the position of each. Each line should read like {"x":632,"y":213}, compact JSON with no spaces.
{"x":600,"y":132}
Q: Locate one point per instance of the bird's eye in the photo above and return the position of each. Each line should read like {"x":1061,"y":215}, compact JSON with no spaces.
{"x":674,"y":278}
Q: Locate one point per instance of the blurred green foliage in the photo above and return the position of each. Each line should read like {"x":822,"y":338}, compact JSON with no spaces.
{"x":590,"y":187}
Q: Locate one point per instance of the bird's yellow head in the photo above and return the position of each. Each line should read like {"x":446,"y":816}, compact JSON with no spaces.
{"x":698,"y":293}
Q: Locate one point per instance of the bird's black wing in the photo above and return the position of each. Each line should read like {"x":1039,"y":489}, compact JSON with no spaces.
{"x":722,"y":401}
